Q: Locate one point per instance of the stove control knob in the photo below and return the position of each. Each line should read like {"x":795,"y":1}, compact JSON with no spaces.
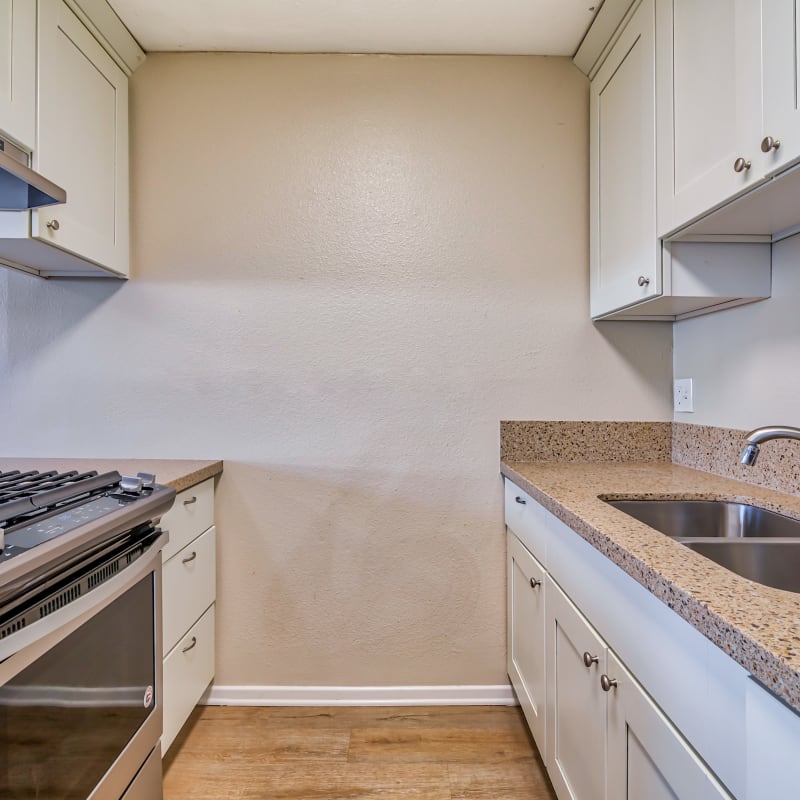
{"x":131,"y":485}
{"x":148,"y":479}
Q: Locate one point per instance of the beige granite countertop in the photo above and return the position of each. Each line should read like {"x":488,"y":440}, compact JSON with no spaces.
{"x":178,"y":473}
{"x":757,"y":626}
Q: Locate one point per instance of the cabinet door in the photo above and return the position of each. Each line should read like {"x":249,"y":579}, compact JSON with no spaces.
{"x":647,"y":758}
{"x":625,"y":251}
{"x":18,"y":71}
{"x":526,"y":636}
{"x":781,"y":53}
{"x":82,"y":141}
{"x":576,"y":705}
{"x":709,"y":104}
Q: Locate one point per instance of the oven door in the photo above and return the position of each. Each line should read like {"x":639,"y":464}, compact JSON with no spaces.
{"x":80,"y":691}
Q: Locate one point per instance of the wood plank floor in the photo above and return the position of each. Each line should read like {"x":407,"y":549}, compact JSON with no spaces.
{"x":426,"y":753}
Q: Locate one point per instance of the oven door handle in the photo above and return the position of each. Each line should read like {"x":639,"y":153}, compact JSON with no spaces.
{"x":23,"y":647}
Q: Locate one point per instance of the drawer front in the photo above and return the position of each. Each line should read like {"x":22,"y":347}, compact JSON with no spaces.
{"x":188,"y":670}
{"x":192,"y":514}
{"x":188,"y":587}
{"x":517,"y":503}
{"x":522,"y":519}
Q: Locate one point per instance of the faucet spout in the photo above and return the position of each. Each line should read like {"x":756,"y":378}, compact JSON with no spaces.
{"x":757,"y":437}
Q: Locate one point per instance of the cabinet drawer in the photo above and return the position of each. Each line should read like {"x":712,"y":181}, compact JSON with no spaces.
{"x":188,"y":670}
{"x":189,"y":586}
{"x":522,"y":519}
{"x":192,"y":514}
{"x":517,"y":503}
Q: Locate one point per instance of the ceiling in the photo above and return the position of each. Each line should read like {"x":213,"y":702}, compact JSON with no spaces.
{"x":540,"y":27}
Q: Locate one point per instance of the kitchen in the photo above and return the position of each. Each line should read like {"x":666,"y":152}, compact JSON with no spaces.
{"x":346,"y":270}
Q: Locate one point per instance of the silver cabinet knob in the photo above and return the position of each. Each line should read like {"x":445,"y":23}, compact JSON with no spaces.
{"x":535,"y":584}
{"x":53,"y":224}
{"x":768,"y":143}
{"x":190,"y":646}
{"x":607,"y":684}
{"x":521,"y":501}
{"x":643,"y":280}
{"x":741,"y":165}
{"x":589,"y":659}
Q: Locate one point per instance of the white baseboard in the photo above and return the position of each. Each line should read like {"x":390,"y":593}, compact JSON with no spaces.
{"x":502,"y":695}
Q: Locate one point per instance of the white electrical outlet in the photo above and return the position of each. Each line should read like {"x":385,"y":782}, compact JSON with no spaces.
{"x":683,"y":394}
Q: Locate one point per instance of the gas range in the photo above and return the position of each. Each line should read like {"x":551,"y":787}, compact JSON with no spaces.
{"x":80,"y":634}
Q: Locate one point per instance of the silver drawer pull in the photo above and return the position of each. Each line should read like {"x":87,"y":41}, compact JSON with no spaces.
{"x":192,"y":557}
{"x":191,"y":500}
{"x":535,"y":584}
{"x":589,"y":659}
{"x":190,"y":646}
{"x":521,"y":501}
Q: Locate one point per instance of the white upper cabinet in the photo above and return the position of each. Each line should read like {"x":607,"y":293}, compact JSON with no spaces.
{"x":18,"y":72}
{"x":77,"y":91}
{"x":625,"y":257}
{"x":634,"y":276}
{"x":82,"y":141}
{"x":709,"y":105}
{"x":780,"y":131}
{"x":728,"y":119}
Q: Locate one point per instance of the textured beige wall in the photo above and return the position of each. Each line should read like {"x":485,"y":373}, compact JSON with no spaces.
{"x":347,"y":270}
{"x":744,"y":361}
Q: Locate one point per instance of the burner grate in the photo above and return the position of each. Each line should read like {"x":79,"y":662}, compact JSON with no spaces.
{"x":26,"y":495}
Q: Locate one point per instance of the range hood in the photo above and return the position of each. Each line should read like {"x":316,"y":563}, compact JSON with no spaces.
{"x":20,"y":187}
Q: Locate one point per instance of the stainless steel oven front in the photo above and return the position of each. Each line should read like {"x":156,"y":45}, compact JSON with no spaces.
{"x":80,"y":679}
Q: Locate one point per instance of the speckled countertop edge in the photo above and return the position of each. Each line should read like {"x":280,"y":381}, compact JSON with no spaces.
{"x":759,"y":627}
{"x":180,"y":474}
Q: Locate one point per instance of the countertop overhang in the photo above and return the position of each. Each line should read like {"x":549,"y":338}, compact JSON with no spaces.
{"x":757,"y":626}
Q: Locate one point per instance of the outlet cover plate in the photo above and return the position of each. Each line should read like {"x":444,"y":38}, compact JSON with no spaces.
{"x":683,"y":392}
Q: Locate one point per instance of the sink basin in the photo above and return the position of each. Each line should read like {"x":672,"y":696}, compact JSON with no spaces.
{"x":775,"y":564}
{"x":715,"y":519}
{"x":752,"y":542}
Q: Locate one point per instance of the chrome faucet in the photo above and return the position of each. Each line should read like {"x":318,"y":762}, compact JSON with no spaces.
{"x":759,"y":435}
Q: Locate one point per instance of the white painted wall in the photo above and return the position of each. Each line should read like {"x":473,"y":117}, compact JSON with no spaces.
{"x":744,"y":361}
{"x":346,"y":271}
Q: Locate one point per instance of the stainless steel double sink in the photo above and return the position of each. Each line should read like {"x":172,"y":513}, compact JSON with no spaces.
{"x":752,"y":542}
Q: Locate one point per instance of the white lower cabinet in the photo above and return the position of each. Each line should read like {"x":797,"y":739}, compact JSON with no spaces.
{"x":526,"y":636}
{"x":576,"y":657}
{"x":647,"y":757}
{"x":571,"y":634}
{"x":606,"y":737}
{"x":188,"y":600}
